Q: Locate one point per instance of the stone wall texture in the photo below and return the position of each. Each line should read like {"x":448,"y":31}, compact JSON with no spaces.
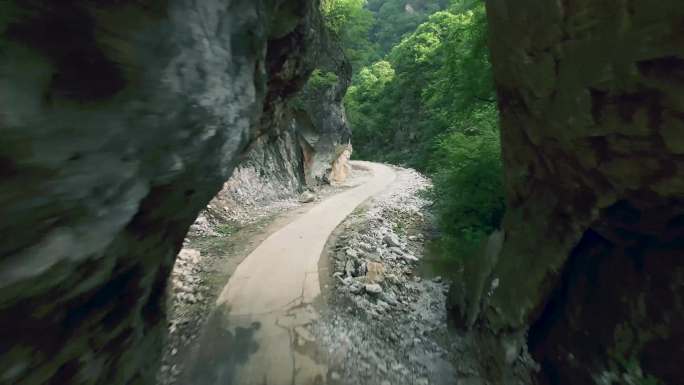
{"x":119,"y":121}
{"x":300,"y":144}
{"x":320,"y":117}
{"x":592,"y":263}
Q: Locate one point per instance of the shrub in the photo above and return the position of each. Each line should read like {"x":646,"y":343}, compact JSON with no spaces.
{"x":321,"y":80}
{"x":468,"y":189}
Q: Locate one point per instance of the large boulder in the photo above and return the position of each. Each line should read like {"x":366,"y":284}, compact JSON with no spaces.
{"x":591,"y":266}
{"x":341,"y":167}
{"x":119,"y":121}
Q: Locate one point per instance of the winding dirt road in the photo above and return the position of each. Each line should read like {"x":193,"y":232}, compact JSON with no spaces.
{"x":257,"y":335}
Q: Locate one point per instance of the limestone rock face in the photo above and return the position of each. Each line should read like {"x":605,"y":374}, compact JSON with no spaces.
{"x":341,"y":168}
{"x":272,"y":170}
{"x":320,"y":118}
{"x":119,"y":121}
{"x":302,"y":140}
{"x":592,"y":110}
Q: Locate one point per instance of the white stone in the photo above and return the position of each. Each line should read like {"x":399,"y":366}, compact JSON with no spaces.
{"x":307,"y":197}
{"x":373,"y":288}
{"x":391,"y":240}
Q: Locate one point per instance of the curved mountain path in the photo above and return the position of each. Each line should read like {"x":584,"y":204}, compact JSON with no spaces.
{"x":257,"y":334}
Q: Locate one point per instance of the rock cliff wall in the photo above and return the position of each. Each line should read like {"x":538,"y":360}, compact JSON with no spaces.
{"x":119,"y":122}
{"x":306,"y":138}
{"x":272,"y":170}
{"x":319,"y":113}
{"x":592,"y":112}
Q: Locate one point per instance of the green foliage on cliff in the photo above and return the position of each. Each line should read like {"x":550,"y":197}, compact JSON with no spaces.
{"x":351,"y":22}
{"x":369,"y":29}
{"x":429,"y":103}
{"x":397,"y":18}
{"x":468,"y":187}
{"x":320,"y":79}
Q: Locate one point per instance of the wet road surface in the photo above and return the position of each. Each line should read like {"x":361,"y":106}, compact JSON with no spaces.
{"x":258,"y":335}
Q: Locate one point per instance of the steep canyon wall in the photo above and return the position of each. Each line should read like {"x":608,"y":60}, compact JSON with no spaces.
{"x":590,"y":277}
{"x":298,"y":149}
{"x":119,"y":121}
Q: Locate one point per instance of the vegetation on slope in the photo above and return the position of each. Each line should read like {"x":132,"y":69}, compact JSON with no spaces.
{"x":369,"y":29}
{"x":423,"y":96}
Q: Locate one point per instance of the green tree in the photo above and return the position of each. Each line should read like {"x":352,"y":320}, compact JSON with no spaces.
{"x":351,"y":22}
{"x":397,"y":18}
{"x":367,"y":104}
{"x":430,"y":104}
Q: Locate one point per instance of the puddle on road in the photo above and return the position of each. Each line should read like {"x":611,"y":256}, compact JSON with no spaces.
{"x":267,"y":349}
{"x":220,"y":351}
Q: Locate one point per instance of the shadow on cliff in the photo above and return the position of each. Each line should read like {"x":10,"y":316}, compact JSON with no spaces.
{"x":618,"y":305}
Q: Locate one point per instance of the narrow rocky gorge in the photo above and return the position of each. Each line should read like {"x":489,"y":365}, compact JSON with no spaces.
{"x":122,"y":121}
{"x":146,"y":147}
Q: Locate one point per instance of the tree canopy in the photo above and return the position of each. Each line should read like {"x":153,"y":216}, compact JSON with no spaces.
{"x":423,"y":96}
